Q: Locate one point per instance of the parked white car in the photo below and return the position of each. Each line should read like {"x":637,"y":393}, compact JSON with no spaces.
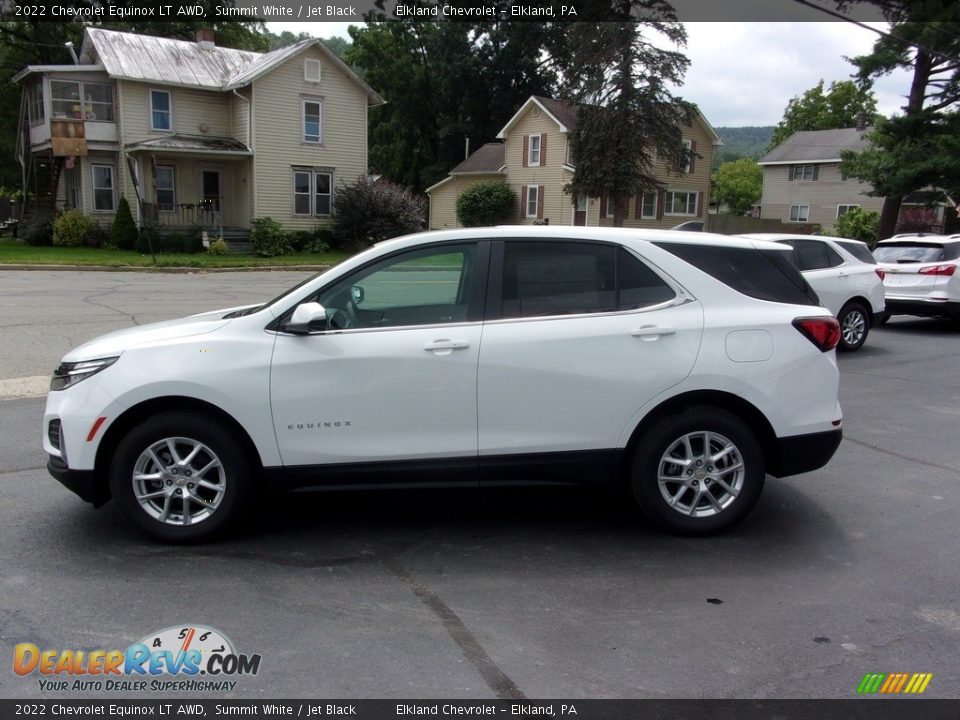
{"x":845,"y":277}
{"x":921,"y":274}
{"x":686,"y":369}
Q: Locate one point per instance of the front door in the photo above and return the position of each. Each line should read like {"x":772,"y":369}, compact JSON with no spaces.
{"x":211,"y":196}
{"x":580,"y":211}
{"x":394,"y":376}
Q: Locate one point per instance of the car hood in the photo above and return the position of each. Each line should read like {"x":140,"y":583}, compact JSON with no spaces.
{"x":116,"y":342}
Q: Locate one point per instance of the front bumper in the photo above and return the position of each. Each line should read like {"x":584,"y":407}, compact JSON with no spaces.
{"x":83,"y":482}
{"x":923,"y":308}
{"x":803,"y":453}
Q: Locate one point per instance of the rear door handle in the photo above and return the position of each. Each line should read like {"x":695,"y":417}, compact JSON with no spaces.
{"x":653,"y":331}
{"x":445,"y":344}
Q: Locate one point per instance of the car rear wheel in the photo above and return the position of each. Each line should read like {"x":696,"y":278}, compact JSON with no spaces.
{"x":698,"y":472}
{"x":854,"y":326}
{"x":180,"y":477}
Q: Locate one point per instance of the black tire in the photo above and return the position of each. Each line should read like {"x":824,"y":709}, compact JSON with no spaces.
{"x":237,"y":478}
{"x":854,"y":321}
{"x":650,"y":454}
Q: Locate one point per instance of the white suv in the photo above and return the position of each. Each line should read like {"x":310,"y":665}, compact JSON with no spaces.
{"x":685,"y":369}
{"x":845,"y":277}
{"x":921,"y":274}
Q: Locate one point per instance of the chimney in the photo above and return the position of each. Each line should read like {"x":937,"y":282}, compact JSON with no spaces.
{"x":861,"y":121}
{"x":205,"y":38}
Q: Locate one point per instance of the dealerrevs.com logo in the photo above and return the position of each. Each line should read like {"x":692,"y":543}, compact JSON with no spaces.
{"x":188,"y":658}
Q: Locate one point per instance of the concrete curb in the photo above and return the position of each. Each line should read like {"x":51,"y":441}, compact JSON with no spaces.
{"x":126,"y":268}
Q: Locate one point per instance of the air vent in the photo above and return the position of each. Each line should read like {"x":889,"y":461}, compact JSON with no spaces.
{"x":311,"y":70}
{"x":54,"y":433}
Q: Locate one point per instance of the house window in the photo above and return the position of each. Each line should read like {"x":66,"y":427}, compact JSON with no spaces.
{"x":804,"y":172}
{"x":35,"y":104}
{"x":609,"y":206}
{"x":65,"y":99}
{"x":844,"y":209}
{"x":311,"y":70}
{"x":164,"y":185}
{"x":799,"y":213}
{"x":533,"y":151}
{"x":680,"y":203}
{"x":161,"y":110}
{"x":685,"y":164}
{"x":648,"y":206}
{"x":312,"y":192}
{"x":312,"y":113}
{"x":103,"y":188}
{"x":98,"y":99}
{"x":533,"y":201}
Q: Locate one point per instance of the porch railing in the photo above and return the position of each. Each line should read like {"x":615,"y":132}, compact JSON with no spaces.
{"x":205,"y":215}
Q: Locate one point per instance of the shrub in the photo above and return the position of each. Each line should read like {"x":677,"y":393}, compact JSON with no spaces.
{"x":96,"y":237}
{"x":123,"y":232}
{"x":149,"y":234}
{"x":370,"y":211}
{"x":172,"y":243}
{"x":317,"y":240}
{"x":858,"y":224}
{"x":37,"y":232}
{"x":71,"y":228}
{"x":268,"y":238}
{"x":487,"y":203}
{"x":193,"y":240}
{"x":217,"y":247}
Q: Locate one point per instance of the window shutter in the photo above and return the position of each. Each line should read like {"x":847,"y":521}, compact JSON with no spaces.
{"x":693,"y":158}
{"x":526,"y":152}
{"x":543,"y":149}
{"x":816,"y":172}
{"x":661,"y":199}
{"x":540,"y":196}
{"x":792,"y":172}
{"x":700,"y":203}
{"x":523,"y":202}
{"x":639,"y":209}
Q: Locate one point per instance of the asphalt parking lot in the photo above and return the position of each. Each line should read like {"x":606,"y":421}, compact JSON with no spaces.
{"x":538,"y":594}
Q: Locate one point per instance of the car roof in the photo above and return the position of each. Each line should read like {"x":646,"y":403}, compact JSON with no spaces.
{"x":778,"y":237}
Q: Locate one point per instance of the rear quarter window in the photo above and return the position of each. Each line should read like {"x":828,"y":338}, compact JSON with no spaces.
{"x":762,"y":274}
{"x":859,"y":251}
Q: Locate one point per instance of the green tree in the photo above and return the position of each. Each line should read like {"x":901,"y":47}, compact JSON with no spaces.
{"x":485,"y":203}
{"x":919,"y":147}
{"x":123,"y":231}
{"x":621,"y":82}
{"x":738,"y":184}
{"x":858,"y":224}
{"x":373,"y":210}
{"x":839,"y":107}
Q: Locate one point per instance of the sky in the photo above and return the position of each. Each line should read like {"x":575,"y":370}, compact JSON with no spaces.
{"x":745,"y":73}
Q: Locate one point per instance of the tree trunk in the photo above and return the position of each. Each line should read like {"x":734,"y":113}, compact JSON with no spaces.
{"x":888,"y":217}
{"x":620,"y":204}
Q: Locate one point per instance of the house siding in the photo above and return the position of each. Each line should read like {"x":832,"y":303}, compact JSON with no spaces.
{"x":557,"y":207}
{"x":193,"y":110}
{"x":443,"y":200}
{"x":822,"y":195}
{"x":278,"y":135}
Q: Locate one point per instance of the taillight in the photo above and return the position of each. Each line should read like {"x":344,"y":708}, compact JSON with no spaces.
{"x":824,"y":332}
{"x":880,"y":273}
{"x":938,"y":270}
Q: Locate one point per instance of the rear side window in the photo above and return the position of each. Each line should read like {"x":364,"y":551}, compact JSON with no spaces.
{"x":914,"y":252}
{"x":860,"y":251}
{"x":762,"y":274}
{"x":568,"y":278}
{"x":814,"y":255}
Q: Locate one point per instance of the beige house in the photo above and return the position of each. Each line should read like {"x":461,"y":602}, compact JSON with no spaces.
{"x":191,"y":133}
{"x":534,"y":158}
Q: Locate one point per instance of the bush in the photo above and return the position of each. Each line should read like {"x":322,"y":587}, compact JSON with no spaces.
{"x":217,"y":247}
{"x":317,"y":240}
{"x":123,"y":232}
{"x":173,"y":243}
{"x":193,"y":240}
{"x":37,"y":232}
{"x":487,"y":203}
{"x":370,"y":211}
{"x":268,"y":238}
{"x":71,"y":228}
{"x":858,"y":224}
{"x":96,"y":237}
{"x":149,"y":234}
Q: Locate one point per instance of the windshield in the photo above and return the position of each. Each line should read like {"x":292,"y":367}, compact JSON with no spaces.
{"x":908,"y":252}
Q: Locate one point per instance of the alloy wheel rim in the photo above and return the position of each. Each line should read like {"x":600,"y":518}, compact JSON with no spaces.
{"x":701,"y":474}
{"x":179,"y":481}
{"x":854,"y":325}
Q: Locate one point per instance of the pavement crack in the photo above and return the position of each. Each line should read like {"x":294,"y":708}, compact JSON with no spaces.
{"x":496,"y":679}
{"x":901,"y":456}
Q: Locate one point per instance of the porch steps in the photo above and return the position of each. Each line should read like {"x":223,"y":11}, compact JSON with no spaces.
{"x":238,"y":241}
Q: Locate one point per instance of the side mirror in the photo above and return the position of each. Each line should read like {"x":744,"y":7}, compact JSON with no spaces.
{"x":356,"y":294}
{"x":307,"y":318}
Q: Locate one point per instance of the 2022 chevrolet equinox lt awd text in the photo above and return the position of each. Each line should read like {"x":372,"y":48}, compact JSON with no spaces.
{"x":686,"y":368}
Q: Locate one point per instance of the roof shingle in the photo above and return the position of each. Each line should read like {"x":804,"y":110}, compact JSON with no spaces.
{"x":817,"y":145}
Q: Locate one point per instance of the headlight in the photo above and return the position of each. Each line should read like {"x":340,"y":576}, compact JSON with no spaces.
{"x":68,"y":374}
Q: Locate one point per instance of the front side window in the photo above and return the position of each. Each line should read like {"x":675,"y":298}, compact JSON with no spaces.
{"x":161,"y":110}
{"x":422,"y":287}
{"x":312,"y":114}
{"x":680,"y":203}
{"x":534,"y":150}
{"x":532,"y":201}
{"x":799,"y":213}
{"x":103,"y":188}
{"x":166,"y":191}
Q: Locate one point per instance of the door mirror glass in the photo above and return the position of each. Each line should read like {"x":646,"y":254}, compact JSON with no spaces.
{"x":356,"y":294}
{"x":307,"y":318}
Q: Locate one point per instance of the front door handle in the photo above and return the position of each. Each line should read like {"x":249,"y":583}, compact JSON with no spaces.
{"x":653,"y":331}
{"x":444,"y":344}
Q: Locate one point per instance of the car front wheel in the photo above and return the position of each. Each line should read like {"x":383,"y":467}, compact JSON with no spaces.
{"x":854,"y":326}
{"x":698,"y":472}
{"x":180,"y":477}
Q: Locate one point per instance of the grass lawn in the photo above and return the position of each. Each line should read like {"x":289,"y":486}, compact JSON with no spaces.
{"x":15,"y":253}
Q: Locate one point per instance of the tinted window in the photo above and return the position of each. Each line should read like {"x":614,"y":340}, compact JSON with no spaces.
{"x":637,"y":285}
{"x":814,"y":255}
{"x":860,"y":251}
{"x":763,"y":274}
{"x":909,"y":252}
